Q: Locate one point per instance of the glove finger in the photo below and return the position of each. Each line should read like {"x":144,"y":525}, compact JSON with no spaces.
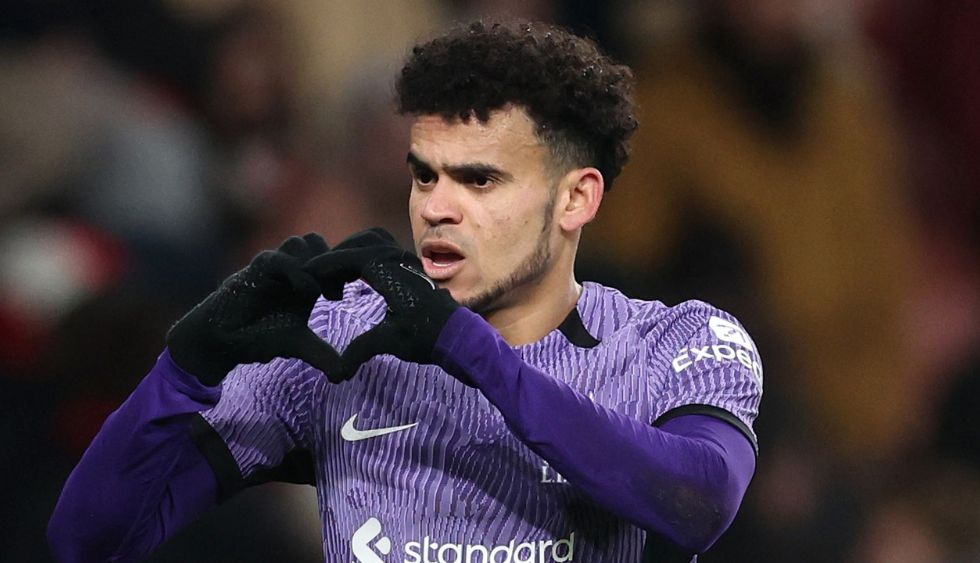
{"x":294,"y":246}
{"x":331,"y":271}
{"x":383,"y":234}
{"x":375,"y":341}
{"x":315,"y":245}
{"x":280,"y":278}
{"x":264,"y":258}
{"x":315,"y":351}
{"x":285,"y":271}
{"x":375,"y":236}
{"x":303,"y":283}
{"x":264,"y":274}
{"x":343,"y":264}
{"x":330,"y":275}
{"x":400,"y":280}
{"x":333,"y":292}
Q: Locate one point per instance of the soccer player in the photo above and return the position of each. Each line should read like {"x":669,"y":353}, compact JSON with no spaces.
{"x":486,"y":406}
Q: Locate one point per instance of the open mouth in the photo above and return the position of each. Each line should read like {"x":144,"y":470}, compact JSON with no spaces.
{"x":444,"y":259}
{"x":441,"y":261}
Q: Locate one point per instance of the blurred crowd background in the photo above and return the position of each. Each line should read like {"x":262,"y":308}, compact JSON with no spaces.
{"x":812,"y":166}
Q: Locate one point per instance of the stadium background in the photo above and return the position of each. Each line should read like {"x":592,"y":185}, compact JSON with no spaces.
{"x":811,"y":166}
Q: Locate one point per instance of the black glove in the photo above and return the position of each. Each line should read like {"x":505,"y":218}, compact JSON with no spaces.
{"x":417,"y":309}
{"x":258,"y":314}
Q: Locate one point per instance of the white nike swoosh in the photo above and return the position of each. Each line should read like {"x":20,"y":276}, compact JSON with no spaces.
{"x":351,"y":434}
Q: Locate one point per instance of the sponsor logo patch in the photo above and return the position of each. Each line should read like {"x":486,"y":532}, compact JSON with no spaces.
{"x":367,"y":547}
{"x":738,"y":347}
{"x":727,"y":331}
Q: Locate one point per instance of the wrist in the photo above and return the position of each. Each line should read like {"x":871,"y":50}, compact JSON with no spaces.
{"x":194,"y":364}
{"x":463,"y":345}
{"x":184,"y":381}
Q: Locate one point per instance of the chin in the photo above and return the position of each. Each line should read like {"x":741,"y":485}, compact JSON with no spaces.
{"x":460,"y":295}
{"x":477,"y":298}
{"x":458,"y":288}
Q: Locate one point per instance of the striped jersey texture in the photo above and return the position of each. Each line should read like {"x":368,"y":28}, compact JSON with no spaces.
{"x":412,"y":465}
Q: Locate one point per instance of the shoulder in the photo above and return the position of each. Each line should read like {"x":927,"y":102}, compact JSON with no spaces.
{"x":608,"y":314}
{"x":687,"y":319}
{"x":606,"y":311}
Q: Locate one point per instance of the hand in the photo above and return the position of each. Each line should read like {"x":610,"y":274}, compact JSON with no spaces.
{"x":259,"y":313}
{"x":417,"y":309}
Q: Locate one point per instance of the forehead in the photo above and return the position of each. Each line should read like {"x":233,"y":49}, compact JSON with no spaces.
{"x":508,"y":137}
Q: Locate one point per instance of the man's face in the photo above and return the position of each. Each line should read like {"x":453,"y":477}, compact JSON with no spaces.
{"x":482,"y":206}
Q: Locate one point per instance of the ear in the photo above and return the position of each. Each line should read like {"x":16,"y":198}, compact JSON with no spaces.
{"x":581,"y":193}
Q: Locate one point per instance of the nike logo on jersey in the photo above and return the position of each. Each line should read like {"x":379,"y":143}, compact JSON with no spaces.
{"x":351,"y":434}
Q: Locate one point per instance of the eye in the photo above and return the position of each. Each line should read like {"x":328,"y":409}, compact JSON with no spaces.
{"x":424,"y":177}
{"x":479,"y":179}
{"x":482,"y":181}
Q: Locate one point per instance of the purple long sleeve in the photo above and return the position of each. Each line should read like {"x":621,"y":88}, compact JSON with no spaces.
{"x":683,"y":481}
{"x":142,"y":478}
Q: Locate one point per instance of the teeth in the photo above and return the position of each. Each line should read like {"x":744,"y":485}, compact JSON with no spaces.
{"x":441,"y":264}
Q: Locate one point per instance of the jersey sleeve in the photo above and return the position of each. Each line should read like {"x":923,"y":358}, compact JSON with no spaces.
{"x":708,"y":365}
{"x":261,"y":430}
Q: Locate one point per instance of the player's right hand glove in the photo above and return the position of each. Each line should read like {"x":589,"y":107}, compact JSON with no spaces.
{"x":259,"y":313}
{"x":417,"y":309}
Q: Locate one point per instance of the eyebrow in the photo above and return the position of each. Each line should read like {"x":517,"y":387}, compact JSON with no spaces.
{"x":464,"y":170}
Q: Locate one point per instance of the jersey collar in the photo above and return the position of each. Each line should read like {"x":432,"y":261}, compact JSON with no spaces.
{"x":574,"y":330}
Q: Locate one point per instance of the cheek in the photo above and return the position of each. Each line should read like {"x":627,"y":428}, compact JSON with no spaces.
{"x":415,"y":212}
{"x":413,"y":202}
{"x":509,"y":235}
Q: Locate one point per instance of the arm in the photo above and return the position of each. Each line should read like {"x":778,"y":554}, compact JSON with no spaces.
{"x":142,"y":478}
{"x":684,"y":481}
{"x":686,"y":487}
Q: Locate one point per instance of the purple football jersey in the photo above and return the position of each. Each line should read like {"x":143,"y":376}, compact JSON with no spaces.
{"x":412,"y":465}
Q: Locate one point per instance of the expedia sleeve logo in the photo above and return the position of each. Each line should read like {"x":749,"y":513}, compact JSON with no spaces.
{"x":735,"y":346}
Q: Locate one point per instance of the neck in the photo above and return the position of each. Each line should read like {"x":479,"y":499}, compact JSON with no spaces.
{"x":537,"y":309}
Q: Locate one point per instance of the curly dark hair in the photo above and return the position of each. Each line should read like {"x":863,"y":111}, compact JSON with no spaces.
{"x":580,"y":100}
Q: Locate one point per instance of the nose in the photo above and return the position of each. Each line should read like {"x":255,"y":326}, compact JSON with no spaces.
{"x":441,"y":205}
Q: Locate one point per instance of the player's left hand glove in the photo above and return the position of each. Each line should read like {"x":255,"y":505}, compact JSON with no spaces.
{"x":417,"y":309}
{"x":257,"y":314}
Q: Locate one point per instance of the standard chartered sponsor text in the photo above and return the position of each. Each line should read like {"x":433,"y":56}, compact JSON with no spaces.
{"x":541,"y":551}
{"x":430,"y":550}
